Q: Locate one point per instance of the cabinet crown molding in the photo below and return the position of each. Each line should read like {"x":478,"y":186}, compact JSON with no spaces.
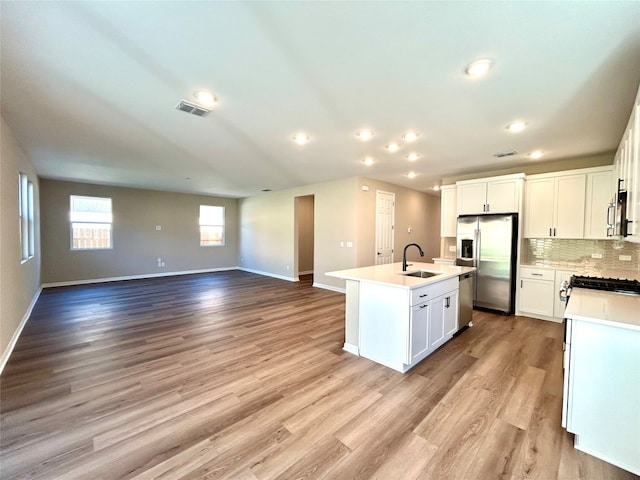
{"x":512,"y":176}
{"x":577,"y":171}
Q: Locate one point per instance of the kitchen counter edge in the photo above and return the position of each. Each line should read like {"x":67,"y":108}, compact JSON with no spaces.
{"x":391,"y":274}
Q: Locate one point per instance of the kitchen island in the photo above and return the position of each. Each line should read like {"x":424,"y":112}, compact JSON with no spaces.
{"x":601,"y":403}
{"x":397,"y":319}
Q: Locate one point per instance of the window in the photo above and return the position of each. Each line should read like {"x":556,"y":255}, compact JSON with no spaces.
{"x":26,"y":214}
{"x":91,"y":220}
{"x":211,"y":226}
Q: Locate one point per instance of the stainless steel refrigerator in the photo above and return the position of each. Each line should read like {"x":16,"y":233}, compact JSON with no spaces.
{"x":489,"y":243}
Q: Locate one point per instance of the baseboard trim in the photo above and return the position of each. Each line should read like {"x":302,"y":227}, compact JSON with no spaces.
{"x":267,"y":274}
{"x":307,"y":272}
{"x":136,"y":277}
{"x":347,"y":347}
{"x":330,"y":287}
{"x":14,"y":338}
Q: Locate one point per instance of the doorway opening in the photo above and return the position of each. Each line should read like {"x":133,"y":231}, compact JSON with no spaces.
{"x":304,"y":236}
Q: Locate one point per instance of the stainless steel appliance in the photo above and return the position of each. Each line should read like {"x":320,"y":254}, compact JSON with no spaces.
{"x":489,"y":243}
{"x":465,"y":300}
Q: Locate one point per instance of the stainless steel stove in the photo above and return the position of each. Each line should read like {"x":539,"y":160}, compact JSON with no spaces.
{"x":619,"y":285}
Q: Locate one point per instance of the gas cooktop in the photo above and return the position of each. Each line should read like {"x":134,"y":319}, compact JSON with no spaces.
{"x":620,"y":285}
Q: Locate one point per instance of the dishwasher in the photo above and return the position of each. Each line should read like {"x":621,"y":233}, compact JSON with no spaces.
{"x":465,"y":296}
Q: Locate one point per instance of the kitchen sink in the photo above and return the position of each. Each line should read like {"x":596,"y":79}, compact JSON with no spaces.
{"x":420,"y":274}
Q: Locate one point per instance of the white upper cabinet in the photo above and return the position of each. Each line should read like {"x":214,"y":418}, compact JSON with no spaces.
{"x":490,"y":195}
{"x":448,"y":212}
{"x":555,"y":206}
{"x":627,"y":168}
{"x":599,"y":193}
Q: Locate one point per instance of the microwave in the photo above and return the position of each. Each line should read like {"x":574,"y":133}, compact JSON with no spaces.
{"x":617,"y":222}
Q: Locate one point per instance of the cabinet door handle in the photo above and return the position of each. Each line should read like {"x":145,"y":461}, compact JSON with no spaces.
{"x":537,"y":274}
{"x":487,"y":208}
{"x":550,"y":232}
{"x":520,"y":283}
{"x":484,"y":207}
{"x":554,"y":231}
{"x":447,"y":303}
{"x":423,"y":295}
{"x":424,"y":306}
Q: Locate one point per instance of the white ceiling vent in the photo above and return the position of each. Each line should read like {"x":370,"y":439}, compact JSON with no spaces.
{"x":506,"y":153}
{"x":192,"y":108}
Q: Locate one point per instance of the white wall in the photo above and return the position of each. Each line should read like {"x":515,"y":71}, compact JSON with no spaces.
{"x":19,"y":282}
{"x":414,"y":209}
{"x":267,"y":230}
{"x":343,"y":213}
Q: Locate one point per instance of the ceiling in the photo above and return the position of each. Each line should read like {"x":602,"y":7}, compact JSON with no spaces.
{"x":90,"y":88}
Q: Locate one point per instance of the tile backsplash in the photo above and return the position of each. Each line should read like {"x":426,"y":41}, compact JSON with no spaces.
{"x":579,"y":255}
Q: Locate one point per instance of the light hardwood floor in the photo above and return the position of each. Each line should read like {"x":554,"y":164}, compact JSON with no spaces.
{"x":233,"y":375}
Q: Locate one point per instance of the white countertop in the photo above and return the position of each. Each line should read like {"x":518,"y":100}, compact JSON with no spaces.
{"x":390,"y":274}
{"x":616,"y":309}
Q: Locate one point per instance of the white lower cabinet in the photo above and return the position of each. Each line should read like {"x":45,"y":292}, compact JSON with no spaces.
{"x":400,"y":327}
{"x":537,"y":287}
{"x":539,"y":292}
{"x":419,"y":331}
{"x":602,"y":392}
{"x":444,"y":319}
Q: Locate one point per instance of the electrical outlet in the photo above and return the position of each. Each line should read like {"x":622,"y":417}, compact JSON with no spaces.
{"x":349,"y":244}
{"x":287,"y":267}
{"x":159,"y":259}
{"x":162,"y":264}
{"x":158,"y":227}
{"x":341,"y":244}
{"x":624,"y":258}
{"x":596,"y":255}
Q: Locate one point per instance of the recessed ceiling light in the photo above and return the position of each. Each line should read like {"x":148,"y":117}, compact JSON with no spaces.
{"x":535,"y":154}
{"x":515,"y":127}
{"x":300,"y":138}
{"x":205,"y":97}
{"x":411,"y":174}
{"x":413,"y":156}
{"x":368,"y":161}
{"x":364,"y":135}
{"x":410,"y":136}
{"x":393,"y":147}
{"x":479,"y":67}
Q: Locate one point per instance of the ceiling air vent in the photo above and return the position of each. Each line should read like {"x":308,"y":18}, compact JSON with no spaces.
{"x":507,"y":153}
{"x":192,"y":108}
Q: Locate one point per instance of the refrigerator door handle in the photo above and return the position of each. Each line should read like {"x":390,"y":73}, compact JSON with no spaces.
{"x":476,"y":253}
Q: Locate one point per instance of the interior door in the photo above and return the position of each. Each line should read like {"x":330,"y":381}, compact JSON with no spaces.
{"x":385,"y":211}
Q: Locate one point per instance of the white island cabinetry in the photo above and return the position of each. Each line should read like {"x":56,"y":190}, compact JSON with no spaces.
{"x":398,"y":320}
{"x":400,"y":327}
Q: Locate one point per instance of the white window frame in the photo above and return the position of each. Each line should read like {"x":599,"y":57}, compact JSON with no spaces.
{"x":72,"y":222}
{"x":26,"y":217}
{"x":201,"y":223}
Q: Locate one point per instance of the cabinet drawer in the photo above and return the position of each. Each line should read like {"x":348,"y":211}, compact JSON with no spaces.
{"x":443,"y":287}
{"x":537,"y":274}
{"x":420,"y":294}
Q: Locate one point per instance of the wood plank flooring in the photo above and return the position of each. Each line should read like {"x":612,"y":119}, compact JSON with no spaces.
{"x":233,"y":375}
